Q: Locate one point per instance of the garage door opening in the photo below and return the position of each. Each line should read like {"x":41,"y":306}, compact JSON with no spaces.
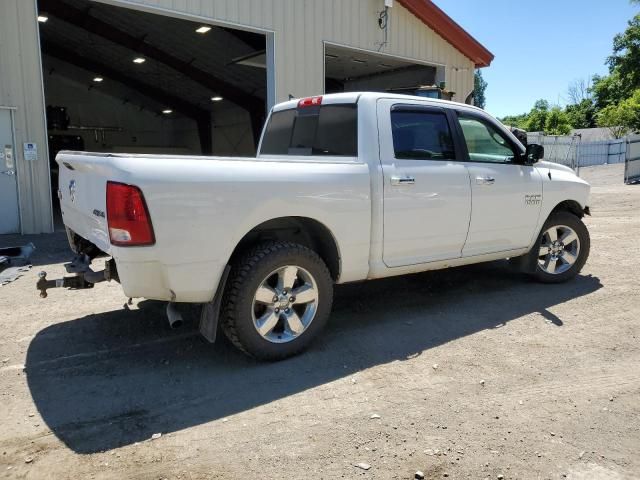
{"x":351,"y":70}
{"x":122,"y":80}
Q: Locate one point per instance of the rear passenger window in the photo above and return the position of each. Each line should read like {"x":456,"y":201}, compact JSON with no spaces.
{"x":328,"y":130}
{"x":423,"y":135}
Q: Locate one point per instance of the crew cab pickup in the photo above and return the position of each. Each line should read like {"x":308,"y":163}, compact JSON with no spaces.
{"x":345,"y":187}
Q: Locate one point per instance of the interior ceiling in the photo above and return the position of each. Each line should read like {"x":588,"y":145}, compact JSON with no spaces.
{"x":212,"y":53}
{"x":348,"y":64}
{"x":53,"y":66}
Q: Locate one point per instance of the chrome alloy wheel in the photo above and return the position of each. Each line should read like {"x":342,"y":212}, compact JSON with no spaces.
{"x":559,"y":249}
{"x":285,"y":304}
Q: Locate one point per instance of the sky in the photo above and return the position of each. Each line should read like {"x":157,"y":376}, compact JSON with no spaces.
{"x":540,"y":47}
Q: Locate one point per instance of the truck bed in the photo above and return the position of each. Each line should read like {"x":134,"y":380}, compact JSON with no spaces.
{"x":201,"y":207}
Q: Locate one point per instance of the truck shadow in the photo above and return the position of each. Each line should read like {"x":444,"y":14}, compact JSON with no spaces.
{"x":115,"y":378}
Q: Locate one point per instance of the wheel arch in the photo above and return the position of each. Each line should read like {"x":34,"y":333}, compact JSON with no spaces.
{"x":571,"y":206}
{"x":302,"y":230}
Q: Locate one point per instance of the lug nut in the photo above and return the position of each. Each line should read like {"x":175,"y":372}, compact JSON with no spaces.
{"x":292,"y":299}
{"x":275,"y":299}
{"x":277,"y":310}
{"x":287,"y":311}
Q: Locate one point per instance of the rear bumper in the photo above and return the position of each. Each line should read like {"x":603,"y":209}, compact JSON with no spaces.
{"x":191,"y":282}
{"x":142,"y":276}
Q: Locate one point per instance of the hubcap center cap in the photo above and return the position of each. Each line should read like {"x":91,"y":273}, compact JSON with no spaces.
{"x":283,"y":301}
{"x":556,"y":248}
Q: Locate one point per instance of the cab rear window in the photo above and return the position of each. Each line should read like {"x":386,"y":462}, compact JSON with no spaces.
{"x":327,"y":130}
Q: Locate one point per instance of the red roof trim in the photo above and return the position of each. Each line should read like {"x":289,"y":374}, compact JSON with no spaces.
{"x":448,"y":29}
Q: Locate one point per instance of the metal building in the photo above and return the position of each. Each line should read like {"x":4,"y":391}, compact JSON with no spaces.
{"x":194,"y":76}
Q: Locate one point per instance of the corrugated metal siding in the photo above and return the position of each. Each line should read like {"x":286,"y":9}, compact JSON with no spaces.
{"x":302,"y":26}
{"x":21,"y":87}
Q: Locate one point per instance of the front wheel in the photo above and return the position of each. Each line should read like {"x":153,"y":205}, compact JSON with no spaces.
{"x":562,"y":248}
{"x":277,"y":300}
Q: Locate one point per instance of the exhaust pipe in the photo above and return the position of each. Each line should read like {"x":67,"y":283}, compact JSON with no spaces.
{"x":174,"y":316}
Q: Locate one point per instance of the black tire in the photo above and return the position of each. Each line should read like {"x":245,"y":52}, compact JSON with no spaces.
{"x":572,"y":221}
{"x":247,"y":274}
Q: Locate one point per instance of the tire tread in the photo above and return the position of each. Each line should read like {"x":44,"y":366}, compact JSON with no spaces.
{"x":241,"y":270}
{"x":568,"y":218}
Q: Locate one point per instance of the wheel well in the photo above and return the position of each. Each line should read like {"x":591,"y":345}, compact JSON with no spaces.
{"x":302,"y":230}
{"x":570,"y":206}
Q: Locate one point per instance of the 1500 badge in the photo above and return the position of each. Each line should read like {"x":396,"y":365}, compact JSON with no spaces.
{"x":532,"y":199}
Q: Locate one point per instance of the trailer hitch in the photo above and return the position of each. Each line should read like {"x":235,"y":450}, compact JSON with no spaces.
{"x":76,"y":282}
{"x":82,"y":276}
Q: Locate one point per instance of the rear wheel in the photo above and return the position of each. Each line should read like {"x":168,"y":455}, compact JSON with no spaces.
{"x":278,"y":299}
{"x":562,"y":248}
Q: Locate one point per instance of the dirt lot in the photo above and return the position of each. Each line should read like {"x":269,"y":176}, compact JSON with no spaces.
{"x":474,"y":373}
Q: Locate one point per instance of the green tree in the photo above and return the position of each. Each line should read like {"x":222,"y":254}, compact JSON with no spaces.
{"x":608,"y":90}
{"x":519,"y":121}
{"x":634,"y":105}
{"x":582,"y":115}
{"x":622,"y":118}
{"x":537,"y":117}
{"x":479,"y":89}
{"x":557,"y":122}
{"x":626,"y":55}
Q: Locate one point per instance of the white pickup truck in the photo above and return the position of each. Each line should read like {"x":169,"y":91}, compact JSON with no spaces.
{"x":345,"y":187}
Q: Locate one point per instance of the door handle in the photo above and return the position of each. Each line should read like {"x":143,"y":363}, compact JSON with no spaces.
{"x":8,"y":172}
{"x":485,"y":180}
{"x":403,"y":180}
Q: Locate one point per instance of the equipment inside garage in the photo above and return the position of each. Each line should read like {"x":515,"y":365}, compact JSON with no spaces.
{"x":122,"y":80}
{"x":352,"y":70}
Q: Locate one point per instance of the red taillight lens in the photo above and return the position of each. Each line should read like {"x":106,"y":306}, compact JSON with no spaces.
{"x":310,"y":102}
{"x":127,"y":216}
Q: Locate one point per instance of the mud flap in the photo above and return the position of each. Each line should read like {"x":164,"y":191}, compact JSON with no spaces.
{"x":211,"y":311}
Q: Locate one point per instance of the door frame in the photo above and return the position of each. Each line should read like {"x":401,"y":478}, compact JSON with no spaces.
{"x":12,"y":116}
{"x":455,"y":111}
{"x":461,"y":154}
{"x":518,"y":160}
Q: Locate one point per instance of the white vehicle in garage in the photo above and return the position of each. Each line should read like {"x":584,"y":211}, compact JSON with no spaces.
{"x":345,"y":187}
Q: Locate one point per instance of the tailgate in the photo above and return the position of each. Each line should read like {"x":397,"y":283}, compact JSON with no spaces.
{"x":82,"y":193}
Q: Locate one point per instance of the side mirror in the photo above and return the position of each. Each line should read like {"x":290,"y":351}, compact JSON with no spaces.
{"x":534,"y":152}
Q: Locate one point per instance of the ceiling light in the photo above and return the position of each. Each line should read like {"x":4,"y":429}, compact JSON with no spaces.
{"x":42,"y":18}
{"x":98,"y":79}
{"x":216,"y":99}
{"x":167,"y":111}
{"x":384,"y":65}
{"x":139,"y":60}
{"x":357,"y":60}
{"x":330,"y":55}
{"x":203,"y":29}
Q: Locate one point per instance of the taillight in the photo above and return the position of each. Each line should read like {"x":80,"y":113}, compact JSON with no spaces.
{"x":310,"y":102}
{"x":127,"y":216}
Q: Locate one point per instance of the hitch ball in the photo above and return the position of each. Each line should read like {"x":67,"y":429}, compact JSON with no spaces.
{"x":42,"y":284}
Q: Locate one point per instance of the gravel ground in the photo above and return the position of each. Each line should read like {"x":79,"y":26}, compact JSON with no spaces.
{"x":474,"y":372}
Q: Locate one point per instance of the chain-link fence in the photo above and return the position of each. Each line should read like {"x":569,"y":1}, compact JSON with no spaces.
{"x":571,"y":151}
{"x":558,"y":149}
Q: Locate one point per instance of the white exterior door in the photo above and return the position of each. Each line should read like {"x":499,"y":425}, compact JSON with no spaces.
{"x":9,"y":217}
{"x":506,"y":195}
{"x":427,"y":192}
